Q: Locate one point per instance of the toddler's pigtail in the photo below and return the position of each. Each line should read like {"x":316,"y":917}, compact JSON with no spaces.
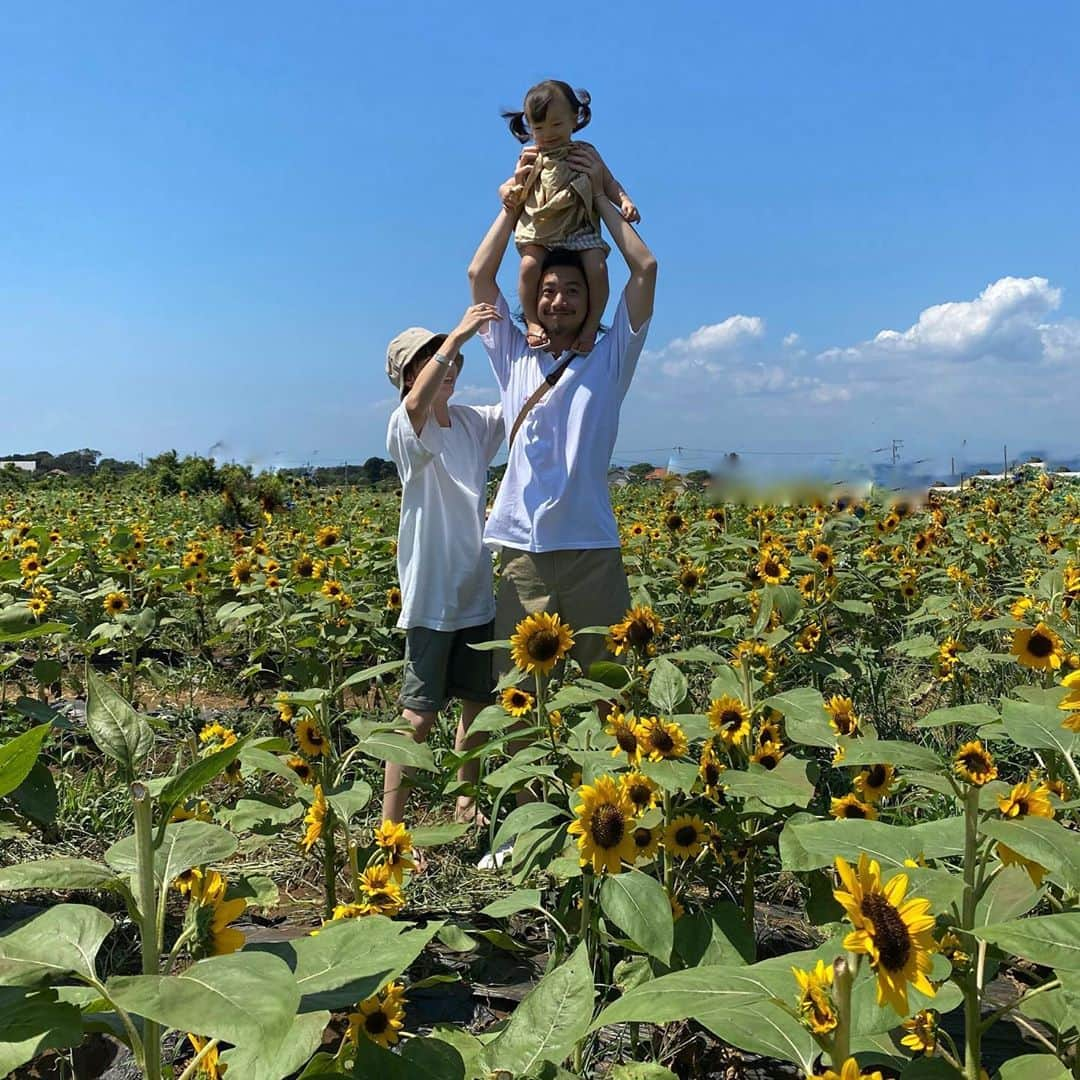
{"x":584,"y":111}
{"x":516,"y":122}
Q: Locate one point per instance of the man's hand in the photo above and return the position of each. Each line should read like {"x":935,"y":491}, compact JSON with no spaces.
{"x":588,"y":162}
{"x":511,"y":191}
{"x":476,"y":317}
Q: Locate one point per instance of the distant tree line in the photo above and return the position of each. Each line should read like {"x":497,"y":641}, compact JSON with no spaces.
{"x":168,"y":473}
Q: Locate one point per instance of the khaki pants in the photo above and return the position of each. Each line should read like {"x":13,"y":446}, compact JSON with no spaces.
{"x":585,"y":587}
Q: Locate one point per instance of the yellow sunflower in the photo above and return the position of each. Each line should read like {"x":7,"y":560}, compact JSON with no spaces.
{"x":242,"y":572}
{"x":382,"y":895}
{"x":808,"y":638}
{"x":730,"y":719}
{"x":604,"y":826}
{"x":842,"y":718}
{"x":768,"y":755}
{"x":1038,"y":648}
{"x":115,"y":603}
{"x":209,"y":1068}
{"x":539,"y":642}
{"x":816,"y":1008}
{"x":1026,"y":799}
{"x":849,"y":1071}
{"x":640,"y":790}
{"x":639,"y":630}
{"x":379,"y":1018}
{"x":850,"y":807}
{"x":661,"y":739}
{"x":624,"y":729}
{"x":516,"y":702}
{"x":772,"y":567}
{"x":213,"y":913}
{"x":874,"y":781}
{"x":646,"y":841}
{"x":328,"y":536}
{"x":895,"y":933}
{"x":1071,"y":701}
{"x":973,"y":764}
{"x":686,"y":836}
{"x":310,"y":737}
{"x":393,"y":598}
{"x":822,"y":554}
{"x":37,"y":606}
{"x":396,"y":843}
{"x":921,"y":1032}
{"x":690,"y":578}
{"x":314,"y":819}
{"x":710,"y":769}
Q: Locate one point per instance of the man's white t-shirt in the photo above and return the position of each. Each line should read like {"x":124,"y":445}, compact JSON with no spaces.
{"x":554,"y":496}
{"x":443,"y":566}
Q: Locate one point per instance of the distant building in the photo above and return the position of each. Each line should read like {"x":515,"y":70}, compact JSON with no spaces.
{"x":23,"y":466}
{"x":657,"y":474}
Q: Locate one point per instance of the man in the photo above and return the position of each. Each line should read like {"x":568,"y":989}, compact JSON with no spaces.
{"x":552,"y":517}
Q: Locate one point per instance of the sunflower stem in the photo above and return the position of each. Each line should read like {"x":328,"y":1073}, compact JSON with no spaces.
{"x":144,"y":847}
{"x":193,"y":1065}
{"x":329,"y":861}
{"x":971,"y":985}
{"x":843,"y":980}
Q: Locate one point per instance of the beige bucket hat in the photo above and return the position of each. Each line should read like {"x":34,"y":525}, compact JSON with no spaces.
{"x":403,"y":349}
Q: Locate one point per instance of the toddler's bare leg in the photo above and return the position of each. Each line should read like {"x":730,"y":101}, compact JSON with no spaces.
{"x":532,"y":258}
{"x":594,"y":262}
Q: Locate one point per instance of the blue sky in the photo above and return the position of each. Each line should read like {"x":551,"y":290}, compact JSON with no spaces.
{"x":216,"y":216}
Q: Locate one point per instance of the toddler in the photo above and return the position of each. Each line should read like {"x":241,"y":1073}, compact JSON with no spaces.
{"x":556,"y":204}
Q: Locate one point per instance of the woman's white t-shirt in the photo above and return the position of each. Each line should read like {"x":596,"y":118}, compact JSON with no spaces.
{"x":554,"y":496}
{"x":443,"y":566}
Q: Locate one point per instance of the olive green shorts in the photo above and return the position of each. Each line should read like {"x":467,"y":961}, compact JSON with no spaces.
{"x":440,"y":665}
{"x":585,"y":587}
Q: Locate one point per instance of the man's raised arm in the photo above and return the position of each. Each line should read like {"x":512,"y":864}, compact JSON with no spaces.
{"x":641,"y":288}
{"x":489,"y":255}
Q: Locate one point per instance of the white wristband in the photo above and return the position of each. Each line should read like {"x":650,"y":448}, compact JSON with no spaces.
{"x":441,"y":360}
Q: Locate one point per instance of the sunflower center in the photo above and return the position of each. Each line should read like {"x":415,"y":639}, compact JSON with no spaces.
{"x":875,"y":776}
{"x":662,"y":740}
{"x":642,"y":837}
{"x":975,"y":762}
{"x":608,"y":826}
{"x":686,"y":835}
{"x":854,"y":810}
{"x":639,"y":633}
{"x":1040,"y":645}
{"x":731,"y":719}
{"x":639,"y":794}
{"x":769,"y":761}
{"x":712,"y":775}
{"x":376,"y":1023}
{"x":771,"y":567}
{"x":890,"y":932}
{"x":626,"y":739}
{"x":543,"y":645}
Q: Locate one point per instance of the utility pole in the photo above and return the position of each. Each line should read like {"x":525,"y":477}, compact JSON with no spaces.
{"x":896,"y":444}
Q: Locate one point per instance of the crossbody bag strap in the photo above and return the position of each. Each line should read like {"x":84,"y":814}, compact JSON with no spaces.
{"x":549,"y":381}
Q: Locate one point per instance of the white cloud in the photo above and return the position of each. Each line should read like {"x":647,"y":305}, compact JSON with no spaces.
{"x":791,"y":340}
{"x":717,"y":337}
{"x":1004,"y":322}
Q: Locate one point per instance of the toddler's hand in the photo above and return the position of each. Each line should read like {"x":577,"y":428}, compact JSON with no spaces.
{"x":510,"y":191}
{"x":628,"y":210}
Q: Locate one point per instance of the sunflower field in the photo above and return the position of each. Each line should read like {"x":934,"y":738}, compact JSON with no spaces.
{"x":815,"y":817}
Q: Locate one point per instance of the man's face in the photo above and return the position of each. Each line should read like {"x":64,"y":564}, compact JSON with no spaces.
{"x":563,"y":300}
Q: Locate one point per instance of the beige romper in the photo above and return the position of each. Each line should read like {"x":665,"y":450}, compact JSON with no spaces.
{"x":557,"y":206}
